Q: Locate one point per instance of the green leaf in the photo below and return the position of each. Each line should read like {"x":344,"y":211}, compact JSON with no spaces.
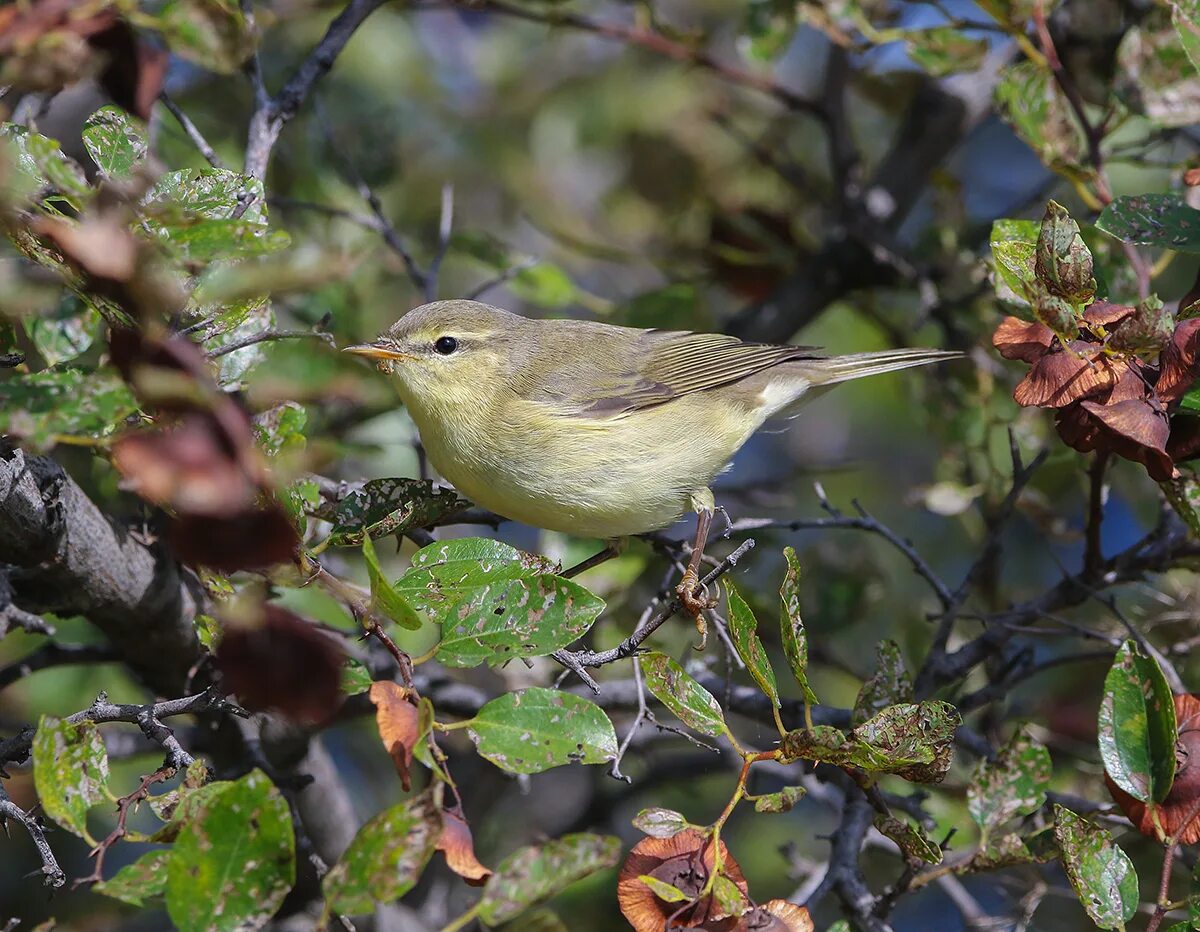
{"x":943,"y":50}
{"x":742,"y":625}
{"x":768,"y":30}
{"x":384,"y":597}
{"x":889,"y":684}
{"x":533,"y":874}
{"x":115,"y":141}
{"x":1012,"y":785}
{"x":1154,"y":75}
{"x":139,"y":883}
{"x":386,"y":857}
{"x":783,"y":801}
{"x":383,"y":507}
{"x":355,"y":678}
{"x":730,"y":899}
{"x":1185,"y":14}
{"x":534,"y":729}
{"x":1100,"y":872}
{"x":663,"y":890}
{"x":212,"y":33}
{"x":39,"y":406}
{"x":660,"y":823}
{"x":1163,"y":220}
{"x":1030,"y":101}
{"x":70,"y":771}
{"x":65,"y":334}
{"x":911,"y":838}
{"x":495,"y":603}
{"x":1137,"y":726}
{"x":238,"y":851}
{"x":1014,"y":248}
{"x":792,"y":633}
{"x":913,"y":741}
{"x":688,"y":701}
{"x":40,"y":164}
{"x":1063,"y":263}
{"x":280,"y":429}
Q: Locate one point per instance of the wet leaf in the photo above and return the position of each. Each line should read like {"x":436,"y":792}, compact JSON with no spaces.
{"x":1014,"y":784}
{"x":911,"y":838}
{"x":115,"y":141}
{"x":660,"y":823}
{"x":1100,"y":872}
{"x":237,"y":851}
{"x":783,"y":801}
{"x":889,"y":684}
{"x":383,"y":507}
{"x":792,"y":633}
{"x":141,"y":883}
{"x":386,"y":857}
{"x":535,"y":729}
{"x":742,"y":625}
{"x":1137,"y":727}
{"x":688,"y":701}
{"x":533,"y":874}
{"x":1163,"y":220}
{"x":70,"y":771}
{"x":384,"y":598}
{"x":495,"y":603}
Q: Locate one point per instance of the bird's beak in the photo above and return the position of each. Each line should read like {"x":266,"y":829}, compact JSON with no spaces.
{"x":374,"y":351}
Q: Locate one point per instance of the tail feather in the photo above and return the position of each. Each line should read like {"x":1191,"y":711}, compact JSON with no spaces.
{"x":836,"y":369}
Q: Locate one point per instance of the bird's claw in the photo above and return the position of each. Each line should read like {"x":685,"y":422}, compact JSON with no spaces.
{"x":695,"y":601}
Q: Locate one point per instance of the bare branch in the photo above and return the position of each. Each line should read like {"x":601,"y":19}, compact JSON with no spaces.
{"x":192,"y":132}
{"x":52,"y":873}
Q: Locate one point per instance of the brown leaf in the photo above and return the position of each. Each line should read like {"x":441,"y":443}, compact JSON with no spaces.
{"x":1184,"y":796}
{"x":458,"y":846}
{"x":1023,"y":340}
{"x":1137,"y":430}
{"x":281,"y":663}
{"x":685,"y":861}
{"x":189,"y":467}
{"x":1105,"y":314}
{"x":1131,"y":383}
{"x":1077,"y":428}
{"x":101,"y":247}
{"x":1191,"y":177}
{"x":1184,"y":444}
{"x":399,"y":725}
{"x":776,"y":916}
{"x":254,"y":539}
{"x":1178,"y":363}
{"x":1061,"y":377}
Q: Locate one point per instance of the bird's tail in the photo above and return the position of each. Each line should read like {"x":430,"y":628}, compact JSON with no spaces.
{"x":836,"y":369}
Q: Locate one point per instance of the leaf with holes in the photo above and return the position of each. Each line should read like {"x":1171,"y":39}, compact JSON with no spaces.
{"x":1100,"y":872}
{"x":533,"y":874}
{"x":237,"y":851}
{"x":386,"y":857}
{"x":1013,"y":784}
{"x":40,"y":164}
{"x":41,"y":406}
{"x":534,"y":729}
{"x":141,"y":883}
{"x":495,"y":603}
{"x":115,"y":141}
{"x":70,"y":771}
{"x":688,"y":701}
{"x":742,"y":628}
{"x":64,"y":335}
{"x":1137,"y":727}
{"x":1163,"y":220}
{"x":792,"y":633}
{"x":383,"y":507}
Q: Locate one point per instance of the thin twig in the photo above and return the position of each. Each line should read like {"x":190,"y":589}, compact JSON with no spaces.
{"x":445,"y":227}
{"x":53,"y":875}
{"x":192,"y":132}
{"x":268,"y":335}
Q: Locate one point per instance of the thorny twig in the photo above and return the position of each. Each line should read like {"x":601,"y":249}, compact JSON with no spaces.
{"x":52,"y":873}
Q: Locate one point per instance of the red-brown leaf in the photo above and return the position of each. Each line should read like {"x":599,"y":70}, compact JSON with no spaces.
{"x":458,"y":846}
{"x":1059,"y":378}
{"x":1020,"y":339}
{"x":1178,"y":363}
{"x":398,"y":723}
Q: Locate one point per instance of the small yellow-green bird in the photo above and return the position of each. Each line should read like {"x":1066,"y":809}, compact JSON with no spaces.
{"x":592,"y":429}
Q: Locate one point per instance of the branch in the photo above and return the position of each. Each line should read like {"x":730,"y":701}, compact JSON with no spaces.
{"x":268,"y":335}
{"x":627,"y":648}
{"x":55,"y":655}
{"x":271,"y":115}
{"x":54,"y":876}
{"x":192,"y":132}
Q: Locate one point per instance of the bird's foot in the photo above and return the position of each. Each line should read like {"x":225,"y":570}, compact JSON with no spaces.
{"x":695,"y":601}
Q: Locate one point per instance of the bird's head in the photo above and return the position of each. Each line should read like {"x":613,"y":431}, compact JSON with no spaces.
{"x":448,"y":353}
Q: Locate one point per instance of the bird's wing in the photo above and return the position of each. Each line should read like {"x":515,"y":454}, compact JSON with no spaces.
{"x":656,"y":367}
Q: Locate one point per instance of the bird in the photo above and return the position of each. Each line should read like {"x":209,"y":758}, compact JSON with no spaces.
{"x":593,"y":429}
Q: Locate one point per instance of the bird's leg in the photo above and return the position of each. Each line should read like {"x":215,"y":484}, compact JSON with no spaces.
{"x":694,"y":602}
{"x":612,"y":548}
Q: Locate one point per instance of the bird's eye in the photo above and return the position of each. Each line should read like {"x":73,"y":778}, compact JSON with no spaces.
{"x":445,"y":345}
